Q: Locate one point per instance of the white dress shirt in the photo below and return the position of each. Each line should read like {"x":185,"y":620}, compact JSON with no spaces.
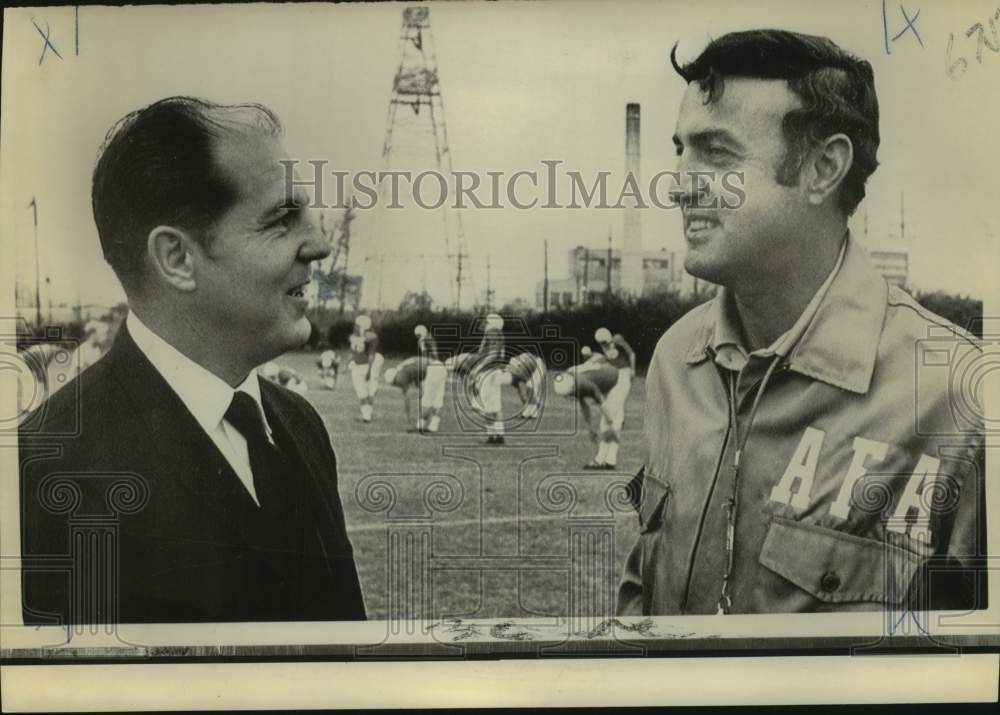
{"x":206,"y":396}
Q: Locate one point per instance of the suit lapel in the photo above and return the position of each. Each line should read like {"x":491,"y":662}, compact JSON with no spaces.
{"x":188,"y":465}
{"x":297,"y":436}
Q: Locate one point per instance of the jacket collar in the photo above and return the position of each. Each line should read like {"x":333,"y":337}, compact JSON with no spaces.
{"x":840,"y":343}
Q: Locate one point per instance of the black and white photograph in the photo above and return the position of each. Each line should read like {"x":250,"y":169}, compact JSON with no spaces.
{"x":536,"y":336}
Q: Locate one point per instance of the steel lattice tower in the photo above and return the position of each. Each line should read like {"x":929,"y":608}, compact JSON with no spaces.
{"x":415,"y":132}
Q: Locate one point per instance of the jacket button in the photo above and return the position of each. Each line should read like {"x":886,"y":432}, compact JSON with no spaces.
{"x":830,"y":581}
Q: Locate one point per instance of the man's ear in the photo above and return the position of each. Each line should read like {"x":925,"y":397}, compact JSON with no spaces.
{"x":170,"y":252}
{"x":829,"y":164}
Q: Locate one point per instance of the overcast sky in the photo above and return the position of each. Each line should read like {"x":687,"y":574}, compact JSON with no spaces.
{"x":521,"y":83}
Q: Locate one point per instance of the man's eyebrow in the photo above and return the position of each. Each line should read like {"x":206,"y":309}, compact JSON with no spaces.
{"x":295,"y":202}
{"x":280,"y":209}
{"x":707,"y":136}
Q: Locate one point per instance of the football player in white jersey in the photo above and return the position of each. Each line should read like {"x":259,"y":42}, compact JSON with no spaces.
{"x":527,"y":372}
{"x":434,"y":377}
{"x":620,"y":356}
{"x":488,"y":374}
{"x":366,"y":365}
{"x":593,"y":385}
{"x":329,"y":367}
{"x":590,"y":359}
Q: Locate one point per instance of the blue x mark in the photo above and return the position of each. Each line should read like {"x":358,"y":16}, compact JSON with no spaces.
{"x":45,"y":38}
{"x":910,"y":26}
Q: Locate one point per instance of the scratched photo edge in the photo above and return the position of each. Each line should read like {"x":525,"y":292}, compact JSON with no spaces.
{"x":809,"y":639}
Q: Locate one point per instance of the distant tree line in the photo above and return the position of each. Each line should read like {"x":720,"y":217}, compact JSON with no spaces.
{"x":68,"y":333}
{"x":641,"y":320}
{"x":963,"y":311}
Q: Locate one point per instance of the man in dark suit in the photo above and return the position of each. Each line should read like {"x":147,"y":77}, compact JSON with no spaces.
{"x":171,"y":484}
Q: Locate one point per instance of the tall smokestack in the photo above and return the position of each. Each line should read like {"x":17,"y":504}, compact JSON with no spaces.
{"x":631,"y":266}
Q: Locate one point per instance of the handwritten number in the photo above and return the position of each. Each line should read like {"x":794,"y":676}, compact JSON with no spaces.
{"x":957,"y":68}
{"x":985,"y":38}
{"x":995,"y":46}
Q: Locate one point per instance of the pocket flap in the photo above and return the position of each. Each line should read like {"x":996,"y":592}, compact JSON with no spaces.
{"x":652,"y":500}
{"x":836,"y":567}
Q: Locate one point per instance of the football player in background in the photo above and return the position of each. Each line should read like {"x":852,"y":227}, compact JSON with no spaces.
{"x":408,"y":374}
{"x":288,"y":377}
{"x":435,"y":376}
{"x":487,"y":375}
{"x":592,"y":386}
{"x":329,"y":368}
{"x":527,"y":375}
{"x":620,"y":356}
{"x":284,"y":376}
{"x":591,"y":359}
{"x":366,"y":365}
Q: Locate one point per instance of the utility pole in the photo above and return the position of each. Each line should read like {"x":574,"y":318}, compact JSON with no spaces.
{"x":460,"y":277}
{"x":345,"y":239}
{"x":381,"y":272}
{"x":545,"y":283}
{"x":458,"y":280}
{"x":489,"y":283}
{"x":38,"y":296}
{"x":608,"y":291}
{"x":902,"y":218}
{"x":48,"y":293}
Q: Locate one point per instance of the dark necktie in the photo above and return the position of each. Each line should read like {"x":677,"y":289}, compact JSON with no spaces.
{"x":244,"y":415}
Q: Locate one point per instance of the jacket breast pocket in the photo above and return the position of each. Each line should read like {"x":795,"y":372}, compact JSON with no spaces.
{"x":837,"y":568}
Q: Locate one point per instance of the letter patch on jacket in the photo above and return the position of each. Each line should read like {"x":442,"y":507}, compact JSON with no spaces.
{"x":864,"y":449}
{"x":918,"y":498}
{"x":801,"y":471}
{"x":913,"y":510}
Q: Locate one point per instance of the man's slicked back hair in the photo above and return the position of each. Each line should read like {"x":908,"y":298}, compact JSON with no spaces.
{"x":157,"y":167}
{"x":837,"y":91}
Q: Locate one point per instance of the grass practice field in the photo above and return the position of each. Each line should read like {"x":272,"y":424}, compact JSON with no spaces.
{"x":448,"y":526}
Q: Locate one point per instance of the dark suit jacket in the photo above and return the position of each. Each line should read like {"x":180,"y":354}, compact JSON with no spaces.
{"x":130,"y":514}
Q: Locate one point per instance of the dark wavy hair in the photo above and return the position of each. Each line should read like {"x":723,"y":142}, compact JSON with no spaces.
{"x":837,"y":91}
{"x":157,"y":167}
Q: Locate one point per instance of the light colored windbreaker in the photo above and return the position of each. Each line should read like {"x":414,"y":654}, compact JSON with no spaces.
{"x":864,"y":459}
